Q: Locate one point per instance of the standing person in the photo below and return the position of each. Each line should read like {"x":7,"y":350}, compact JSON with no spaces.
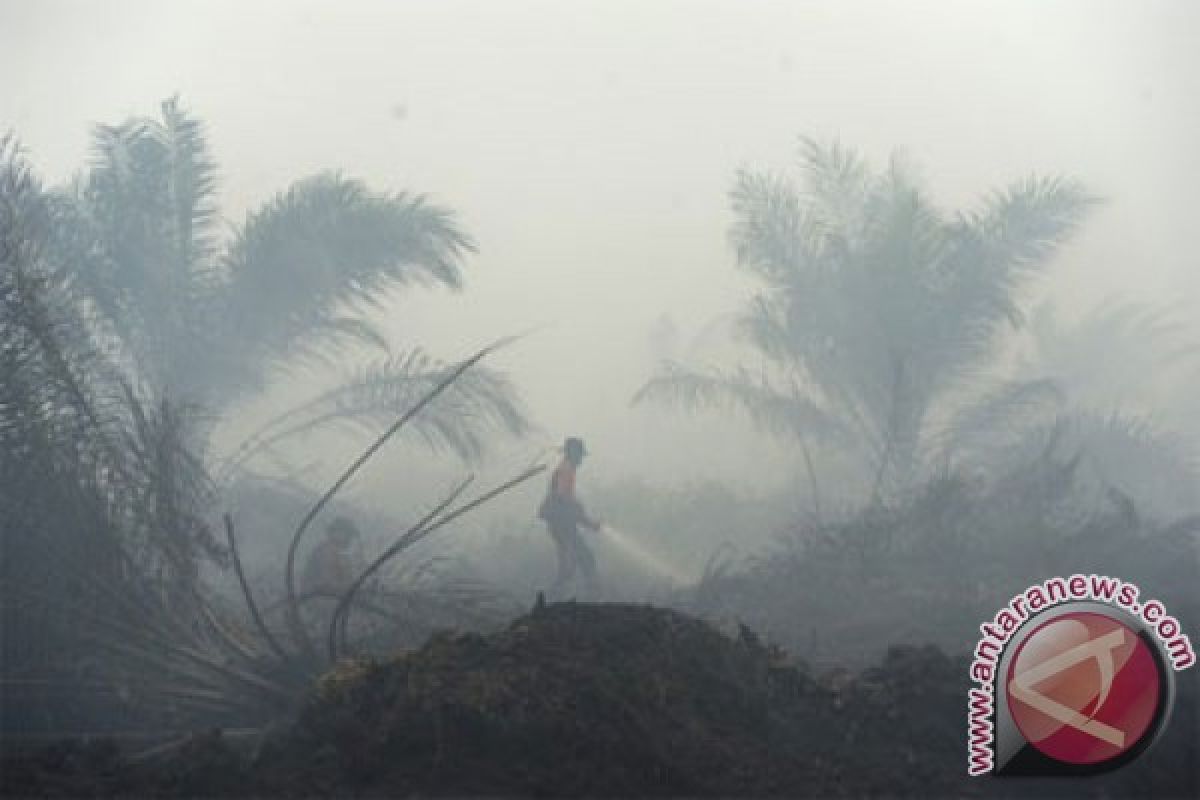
{"x":563,"y":514}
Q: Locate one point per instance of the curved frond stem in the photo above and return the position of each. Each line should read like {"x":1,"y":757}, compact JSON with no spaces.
{"x":479,"y":402}
{"x":293,"y":615}
{"x":449,"y":517}
{"x":263,"y":630}
{"x":407,"y":538}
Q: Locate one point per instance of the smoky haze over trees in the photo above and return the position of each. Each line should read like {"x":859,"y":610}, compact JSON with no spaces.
{"x":874,"y":308}
{"x":870,"y":316}
{"x":206,"y":320}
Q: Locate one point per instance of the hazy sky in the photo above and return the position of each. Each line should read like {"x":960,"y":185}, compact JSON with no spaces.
{"x":589,"y":146}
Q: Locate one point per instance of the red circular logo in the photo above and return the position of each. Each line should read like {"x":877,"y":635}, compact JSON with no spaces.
{"x":1083,"y":688}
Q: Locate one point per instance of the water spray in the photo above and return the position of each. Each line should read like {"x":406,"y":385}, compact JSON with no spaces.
{"x":633,"y":548}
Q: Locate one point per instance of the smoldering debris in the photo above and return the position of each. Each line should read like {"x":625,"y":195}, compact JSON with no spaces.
{"x":581,"y":699}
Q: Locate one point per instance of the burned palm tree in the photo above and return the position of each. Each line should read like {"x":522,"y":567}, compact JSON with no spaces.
{"x":213,"y":660}
{"x":302,"y":659}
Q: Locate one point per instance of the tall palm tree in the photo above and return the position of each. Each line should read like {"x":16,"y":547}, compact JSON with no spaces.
{"x":209,"y":318}
{"x":876,"y":308}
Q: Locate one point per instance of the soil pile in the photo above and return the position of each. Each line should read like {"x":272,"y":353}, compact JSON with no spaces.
{"x":612,"y":700}
{"x":572,"y":699}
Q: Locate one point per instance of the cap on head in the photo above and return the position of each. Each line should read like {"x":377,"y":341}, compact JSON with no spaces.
{"x":574,"y":449}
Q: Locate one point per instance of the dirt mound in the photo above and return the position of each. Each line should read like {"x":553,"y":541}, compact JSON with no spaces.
{"x":572,"y":699}
{"x":603,"y":700}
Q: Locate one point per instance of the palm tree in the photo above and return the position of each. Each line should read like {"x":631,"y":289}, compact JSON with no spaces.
{"x":98,"y":497}
{"x":876,"y":308}
{"x":1120,"y":367}
{"x":123,"y":317}
{"x":1119,"y":353}
{"x":209,"y":320}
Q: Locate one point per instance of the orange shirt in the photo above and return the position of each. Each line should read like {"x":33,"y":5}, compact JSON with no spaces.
{"x":564,"y":480}
{"x":561,"y":505}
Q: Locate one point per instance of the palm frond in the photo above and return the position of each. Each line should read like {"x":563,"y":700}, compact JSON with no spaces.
{"x":837,"y":180}
{"x":769,"y":407}
{"x":766,"y":326}
{"x":993,"y":250}
{"x":21,"y":203}
{"x":136,"y":234}
{"x":326,"y":244}
{"x":1135,"y":455}
{"x":54,"y":377}
{"x":172,"y":482}
{"x":1025,"y":223}
{"x":771,"y":234}
{"x":1002,"y":413}
{"x":1121,"y":451}
{"x":974,"y":276}
{"x":479,"y":403}
{"x":1118,"y":352}
{"x":191,"y":183}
